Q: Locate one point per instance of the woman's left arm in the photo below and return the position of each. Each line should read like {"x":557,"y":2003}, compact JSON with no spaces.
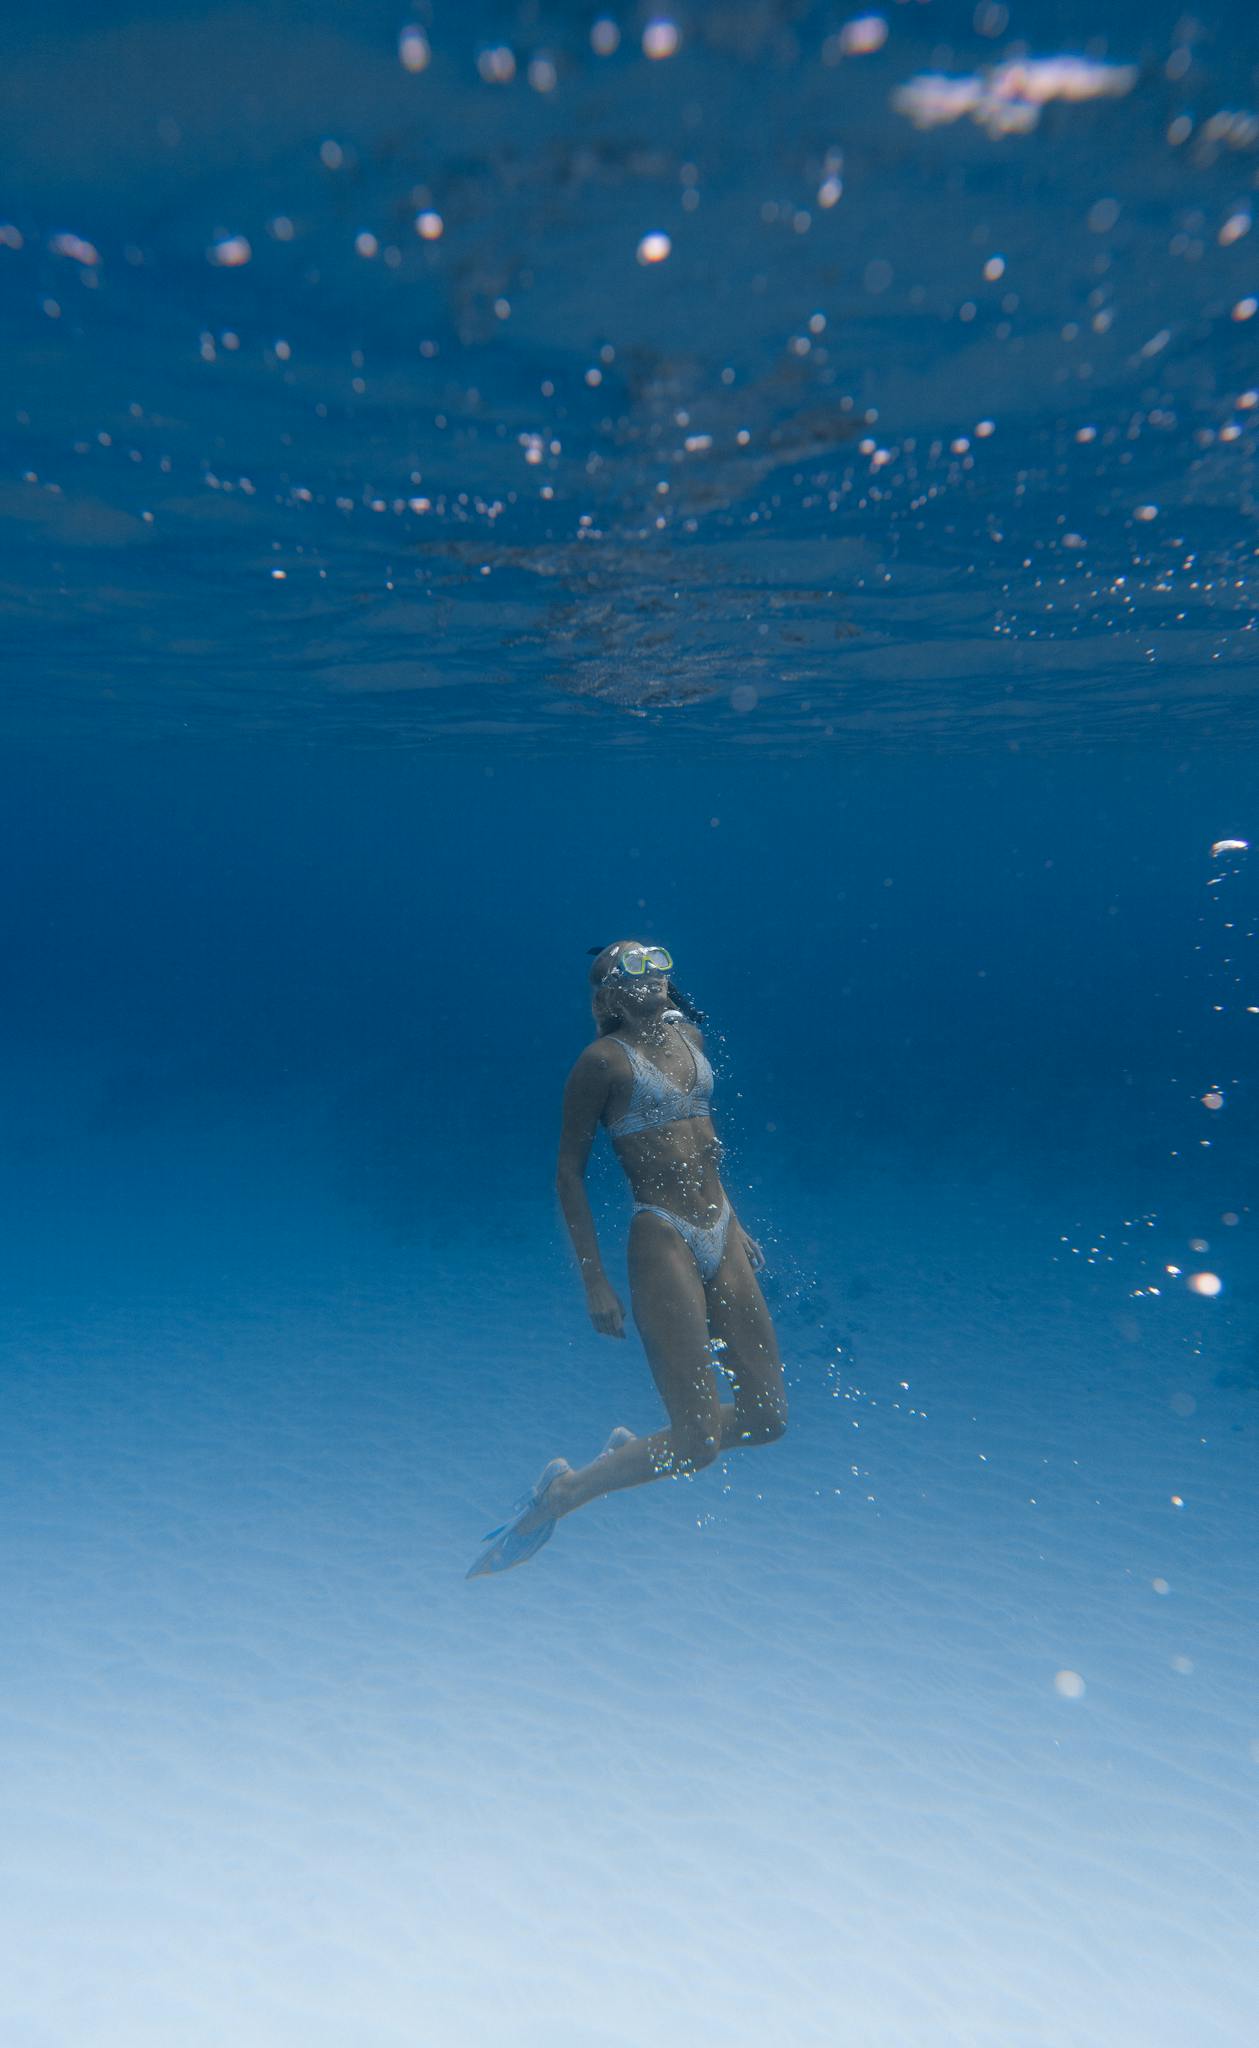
{"x":756,"y":1256}
{"x":751,"y":1245}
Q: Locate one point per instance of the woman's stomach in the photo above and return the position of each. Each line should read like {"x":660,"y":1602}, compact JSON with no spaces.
{"x":677,"y":1166}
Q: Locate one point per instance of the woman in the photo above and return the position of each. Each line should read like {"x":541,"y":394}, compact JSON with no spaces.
{"x":692,"y":1266}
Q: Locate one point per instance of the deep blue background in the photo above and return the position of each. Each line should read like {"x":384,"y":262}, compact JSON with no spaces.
{"x":334,"y":730}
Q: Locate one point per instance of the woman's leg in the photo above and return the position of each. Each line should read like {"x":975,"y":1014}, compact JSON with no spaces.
{"x":737,"y":1313}
{"x":672,"y":1315}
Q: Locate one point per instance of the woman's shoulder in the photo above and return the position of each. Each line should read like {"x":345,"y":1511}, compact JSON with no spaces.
{"x":598,"y":1056}
{"x":685,"y":1026}
{"x":593,"y":1073}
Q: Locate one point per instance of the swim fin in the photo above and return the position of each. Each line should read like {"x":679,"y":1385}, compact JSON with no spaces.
{"x":506,"y":1547}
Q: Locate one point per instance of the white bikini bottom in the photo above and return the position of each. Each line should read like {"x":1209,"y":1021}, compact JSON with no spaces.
{"x":707,"y":1246}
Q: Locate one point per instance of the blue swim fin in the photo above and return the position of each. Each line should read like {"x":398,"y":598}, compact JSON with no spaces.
{"x":506,"y":1547}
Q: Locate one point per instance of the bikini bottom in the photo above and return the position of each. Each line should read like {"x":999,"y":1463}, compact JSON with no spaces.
{"x":708,"y":1246}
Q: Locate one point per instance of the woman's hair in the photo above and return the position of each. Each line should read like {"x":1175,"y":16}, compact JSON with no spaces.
{"x":607,"y":1017}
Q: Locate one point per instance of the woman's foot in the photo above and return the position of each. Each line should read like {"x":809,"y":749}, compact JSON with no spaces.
{"x":619,"y":1436}
{"x":531,"y":1525}
{"x":547,"y":1503}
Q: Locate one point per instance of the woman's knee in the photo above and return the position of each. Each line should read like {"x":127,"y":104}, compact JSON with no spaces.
{"x":695,"y":1444}
{"x":764,"y":1420}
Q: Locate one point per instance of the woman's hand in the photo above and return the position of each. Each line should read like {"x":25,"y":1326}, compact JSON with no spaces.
{"x":756,"y":1257}
{"x":606,"y":1312}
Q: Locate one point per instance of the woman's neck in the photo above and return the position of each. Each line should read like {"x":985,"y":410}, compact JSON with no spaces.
{"x":652,"y":1030}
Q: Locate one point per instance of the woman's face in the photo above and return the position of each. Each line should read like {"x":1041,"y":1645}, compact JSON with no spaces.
{"x":632,"y":993}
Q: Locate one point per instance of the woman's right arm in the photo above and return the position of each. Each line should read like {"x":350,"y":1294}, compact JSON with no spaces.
{"x":585,"y":1093}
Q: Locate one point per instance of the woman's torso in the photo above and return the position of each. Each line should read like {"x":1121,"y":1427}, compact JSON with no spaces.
{"x":675,"y":1159}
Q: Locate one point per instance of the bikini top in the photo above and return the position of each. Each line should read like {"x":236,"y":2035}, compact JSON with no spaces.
{"x":658,"y":1100}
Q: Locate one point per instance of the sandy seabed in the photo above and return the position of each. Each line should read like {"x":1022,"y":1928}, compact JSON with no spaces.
{"x":780,"y":1754}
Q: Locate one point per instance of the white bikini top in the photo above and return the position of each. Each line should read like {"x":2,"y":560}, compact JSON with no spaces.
{"x":658,"y":1100}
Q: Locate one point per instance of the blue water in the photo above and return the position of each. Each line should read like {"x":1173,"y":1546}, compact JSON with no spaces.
{"x":934,"y":1723}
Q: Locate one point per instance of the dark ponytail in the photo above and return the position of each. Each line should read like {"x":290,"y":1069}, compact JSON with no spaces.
{"x":690,"y":1010}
